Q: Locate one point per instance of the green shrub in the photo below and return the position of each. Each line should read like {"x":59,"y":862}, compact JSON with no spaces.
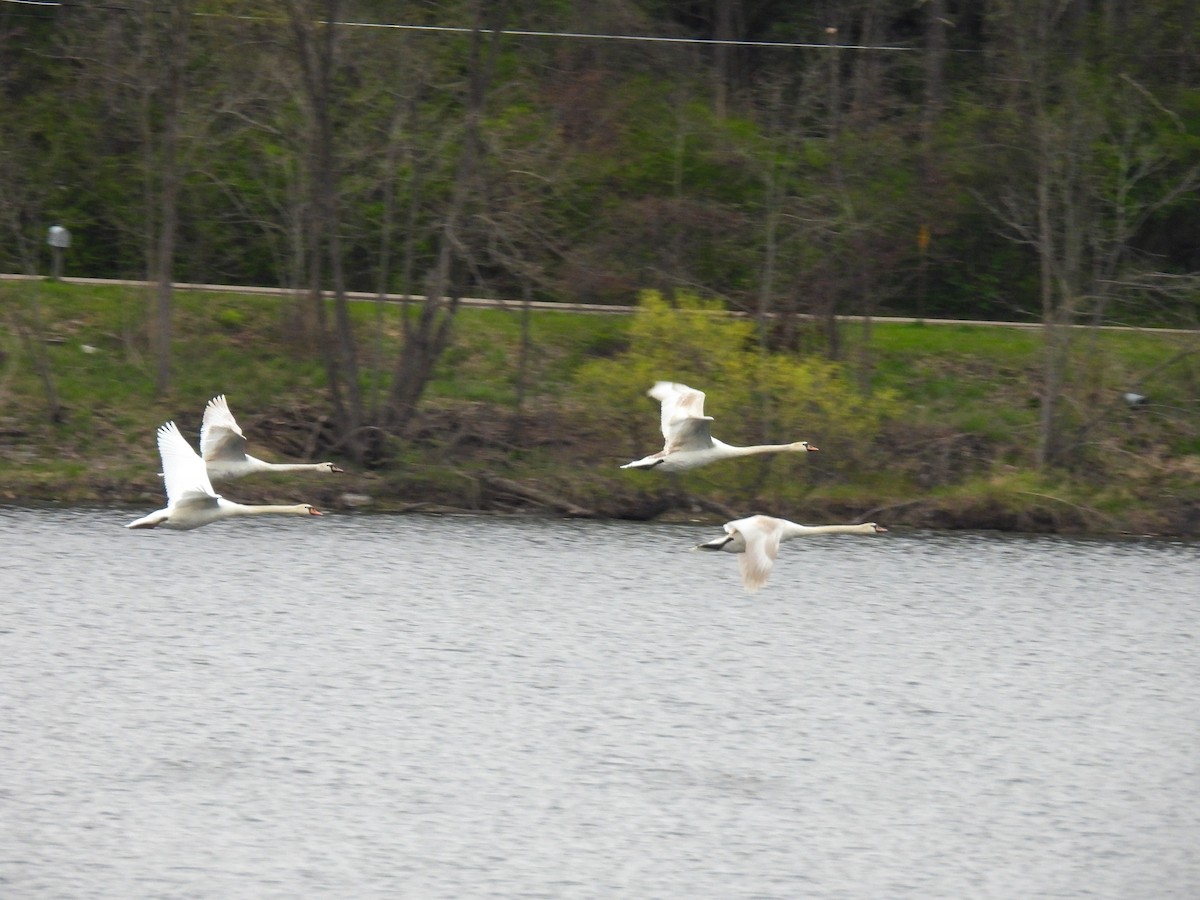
{"x":755,"y":396}
{"x":230,"y":319}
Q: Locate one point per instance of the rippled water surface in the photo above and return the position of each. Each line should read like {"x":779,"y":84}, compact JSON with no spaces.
{"x":402,"y":706}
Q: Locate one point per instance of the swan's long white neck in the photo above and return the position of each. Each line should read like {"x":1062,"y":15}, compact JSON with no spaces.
{"x":241,"y":509}
{"x":792,"y":530}
{"x":263,"y":466}
{"x":729,"y":450}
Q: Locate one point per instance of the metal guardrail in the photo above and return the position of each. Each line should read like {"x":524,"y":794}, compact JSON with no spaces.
{"x":357,"y":296}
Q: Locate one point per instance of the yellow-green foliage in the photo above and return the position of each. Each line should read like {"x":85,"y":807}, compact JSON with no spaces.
{"x":755,"y":396}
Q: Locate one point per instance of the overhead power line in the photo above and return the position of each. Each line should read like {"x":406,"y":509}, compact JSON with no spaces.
{"x":644,"y":38}
{"x":570,"y":35}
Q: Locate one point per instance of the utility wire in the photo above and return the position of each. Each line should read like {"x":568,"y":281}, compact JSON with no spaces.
{"x":646,"y":38}
{"x":574,"y":35}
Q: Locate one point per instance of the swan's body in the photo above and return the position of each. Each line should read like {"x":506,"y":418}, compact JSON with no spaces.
{"x":223,"y":447}
{"x":757,"y":539}
{"x":191,"y":500}
{"x":686,"y":432}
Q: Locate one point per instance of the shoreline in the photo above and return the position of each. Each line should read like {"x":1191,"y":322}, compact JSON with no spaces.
{"x":371,"y":494}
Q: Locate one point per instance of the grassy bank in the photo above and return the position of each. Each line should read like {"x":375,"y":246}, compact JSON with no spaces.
{"x":954,"y":445}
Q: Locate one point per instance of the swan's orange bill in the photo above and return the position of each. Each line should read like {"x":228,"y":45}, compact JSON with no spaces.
{"x":313,"y":511}
{"x":811,"y":448}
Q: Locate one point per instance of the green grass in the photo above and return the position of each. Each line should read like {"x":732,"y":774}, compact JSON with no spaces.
{"x":226,"y":339}
{"x":967,"y":401}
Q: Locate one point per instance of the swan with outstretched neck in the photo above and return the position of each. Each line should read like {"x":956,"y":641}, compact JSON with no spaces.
{"x":688,"y":440}
{"x":757,"y":539}
{"x":223,"y":446}
{"x":191,"y":500}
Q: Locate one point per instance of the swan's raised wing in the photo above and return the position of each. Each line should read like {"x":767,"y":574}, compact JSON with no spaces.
{"x":684,"y":424}
{"x":220,"y":436}
{"x":183,"y":470}
{"x":689,"y":434}
{"x":678,"y":402}
{"x":761,"y":535}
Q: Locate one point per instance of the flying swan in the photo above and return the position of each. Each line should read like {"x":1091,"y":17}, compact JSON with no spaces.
{"x":223,"y":447}
{"x":191,"y":500}
{"x":757,"y":539}
{"x":686,"y":430}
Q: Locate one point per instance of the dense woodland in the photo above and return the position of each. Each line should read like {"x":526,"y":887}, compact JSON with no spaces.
{"x":1012,"y":159}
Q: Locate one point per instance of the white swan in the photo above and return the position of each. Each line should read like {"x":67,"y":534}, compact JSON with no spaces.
{"x":223,"y":447}
{"x":757,"y":539}
{"x":686,"y":430}
{"x":191,"y":500}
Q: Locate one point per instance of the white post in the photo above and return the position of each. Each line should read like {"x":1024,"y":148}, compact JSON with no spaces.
{"x":59,"y":240}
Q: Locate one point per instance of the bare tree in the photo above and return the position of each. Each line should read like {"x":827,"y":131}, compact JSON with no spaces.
{"x":727,"y":27}
{"x":521,"y":232}
{"x":21,"y":197}
{"x":1095,"y":179}
{"x":314,"y":36}
{"x":256,"y":95}
{"x":427,"y":333}
{"x":931,"y":113}
{"x":174,"y":37}
{"x":141,"y":55}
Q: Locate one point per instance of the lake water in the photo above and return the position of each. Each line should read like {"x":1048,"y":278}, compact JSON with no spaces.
{"x":460,"y":707}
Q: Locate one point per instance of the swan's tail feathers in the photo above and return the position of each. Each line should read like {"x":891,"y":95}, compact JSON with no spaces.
{"x":648,"y":463}
{"x":151,"y":521}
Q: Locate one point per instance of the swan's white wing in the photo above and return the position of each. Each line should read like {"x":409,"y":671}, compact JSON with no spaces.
{"x":678,"y":402}
{"x":220,"y":436}
{"x":684,"y":424}
{"x":762,"y":535}
{"x":195,"y":500}
{"x":688,"y":434}
{"x":183,"y":470}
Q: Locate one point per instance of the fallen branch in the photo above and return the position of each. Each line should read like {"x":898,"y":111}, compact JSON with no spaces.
{"x":524,"y":492}
{"x":871,"y":513}
{"x":1107,"y":520}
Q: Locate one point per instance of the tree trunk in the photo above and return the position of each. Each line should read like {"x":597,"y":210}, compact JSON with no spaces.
{"x":524,"y":355}
{"x":931,"y":113}
{"x":425,"y":339}
{"x":317,"y":55}
{"x":724,"y":55}
{"x":168,"y":228}
{"x":169,"y":179}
